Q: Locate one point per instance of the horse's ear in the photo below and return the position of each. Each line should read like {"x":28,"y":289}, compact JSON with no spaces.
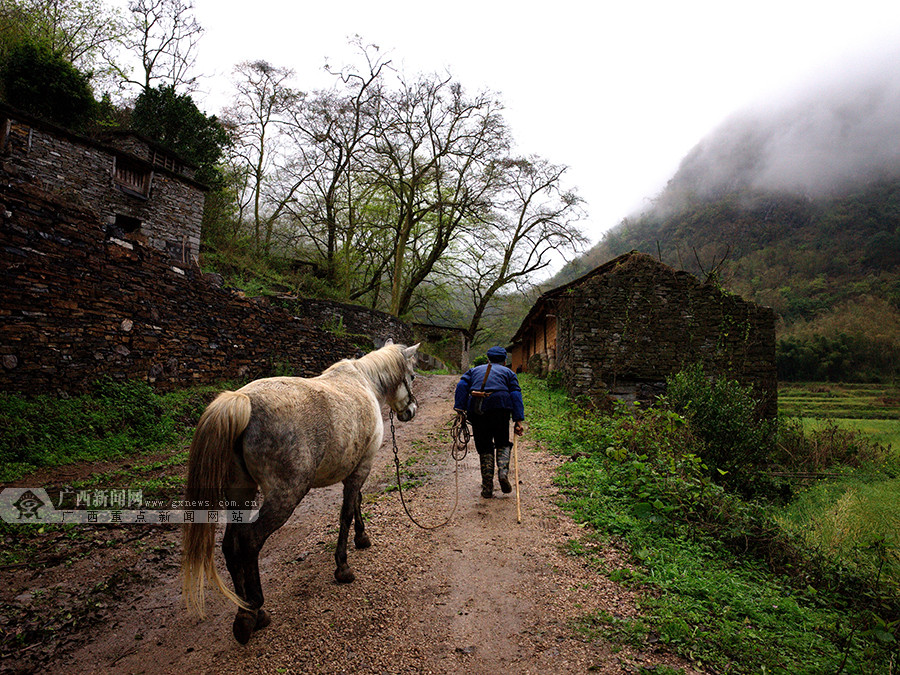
{"x":409,"y":352}
{"x":389,"y":341}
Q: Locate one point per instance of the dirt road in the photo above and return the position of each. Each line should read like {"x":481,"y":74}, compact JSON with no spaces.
{"x":481,"y":595}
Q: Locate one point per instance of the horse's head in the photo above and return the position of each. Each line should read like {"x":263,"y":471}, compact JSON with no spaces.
{"x":391,"y":372}
{"x":402,"y":400}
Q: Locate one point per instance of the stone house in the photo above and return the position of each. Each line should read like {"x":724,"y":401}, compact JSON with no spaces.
{"x":138,"y":190}
{"x":621,"y":329}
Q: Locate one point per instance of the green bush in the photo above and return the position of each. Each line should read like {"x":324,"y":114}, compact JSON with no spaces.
{"x":174,"y":121}
{"x":819,"y":449}
{"x":737,"y":443}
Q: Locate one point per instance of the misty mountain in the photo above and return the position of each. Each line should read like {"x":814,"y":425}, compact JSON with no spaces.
{"x":795,"y":205}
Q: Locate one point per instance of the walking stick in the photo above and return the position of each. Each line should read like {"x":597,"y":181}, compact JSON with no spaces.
{"x":516,"y":464}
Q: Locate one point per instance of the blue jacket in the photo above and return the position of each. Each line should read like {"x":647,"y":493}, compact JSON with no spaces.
{"x":507,"y":394}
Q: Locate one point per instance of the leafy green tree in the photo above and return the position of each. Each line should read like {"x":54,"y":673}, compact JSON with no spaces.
{"x":174,"y":121}
{"x":882,"y":251}
{"x":43,"y":83}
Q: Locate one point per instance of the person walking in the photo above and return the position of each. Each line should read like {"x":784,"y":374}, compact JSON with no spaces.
{"x":489,"y":395}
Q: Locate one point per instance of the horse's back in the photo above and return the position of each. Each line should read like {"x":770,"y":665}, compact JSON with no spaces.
{"x":309,"y":431}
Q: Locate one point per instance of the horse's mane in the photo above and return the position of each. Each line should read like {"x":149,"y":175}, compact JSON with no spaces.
{"x":384,"y":367}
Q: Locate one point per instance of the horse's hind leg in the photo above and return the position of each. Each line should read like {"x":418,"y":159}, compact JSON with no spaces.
{"x":241,"y":496}
{"x":246,"y":621}
{"x":248,"y":541}
{"x":361,"y":539}
{"x":235,"y":555}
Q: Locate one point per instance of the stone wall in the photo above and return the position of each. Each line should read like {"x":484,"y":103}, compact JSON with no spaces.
{"x":450,"y":345}
{"x":623,"y":331}
{"x":79,"y":304}
{"x":340,"y":317}
{"x":165,"y":211}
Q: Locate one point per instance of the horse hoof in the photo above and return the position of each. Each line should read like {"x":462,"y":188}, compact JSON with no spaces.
{"x":362,"y":541}
{"x":344,"y":575}
{"x":243,"y":626}
{"x":263,"y":619}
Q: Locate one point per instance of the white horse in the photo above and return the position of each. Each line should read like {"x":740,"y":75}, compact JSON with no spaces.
{"x":283,"y":436}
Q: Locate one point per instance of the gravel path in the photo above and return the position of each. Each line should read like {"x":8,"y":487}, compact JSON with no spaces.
{"x":481,"y":595}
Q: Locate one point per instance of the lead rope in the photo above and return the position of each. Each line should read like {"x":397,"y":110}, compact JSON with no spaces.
{"x":461,"y":434}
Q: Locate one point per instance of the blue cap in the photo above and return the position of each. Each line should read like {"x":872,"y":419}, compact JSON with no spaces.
{"x":496,"y":354}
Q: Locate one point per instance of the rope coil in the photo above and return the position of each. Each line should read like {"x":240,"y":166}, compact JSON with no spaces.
{"x":461,"y":434}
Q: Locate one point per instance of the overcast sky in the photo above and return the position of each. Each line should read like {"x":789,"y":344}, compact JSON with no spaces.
{"x":618,"y":91}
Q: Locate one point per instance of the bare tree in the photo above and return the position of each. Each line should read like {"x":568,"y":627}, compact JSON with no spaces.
{"x":393,"y":187}
{"x":535,"y":222}
{"x":163,"y":35}
{"x":330,"y":130}
{"x":257,"y":117}
{"x":433,"y":160}
{"x":81,"y":32}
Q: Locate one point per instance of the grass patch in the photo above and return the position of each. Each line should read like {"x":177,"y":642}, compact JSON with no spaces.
{"x":115,"y":420}
{"x":853,"y":516}
{"x":854,"y":519}
{"x":840,"y":401}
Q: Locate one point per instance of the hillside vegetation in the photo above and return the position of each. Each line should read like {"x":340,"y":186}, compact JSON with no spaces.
{"x":830,"y":268}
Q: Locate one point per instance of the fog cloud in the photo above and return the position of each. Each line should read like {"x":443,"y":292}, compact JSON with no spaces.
{"x":833,"y":135}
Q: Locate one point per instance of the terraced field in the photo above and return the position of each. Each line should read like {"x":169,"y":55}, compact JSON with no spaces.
{"x":871,"y":408}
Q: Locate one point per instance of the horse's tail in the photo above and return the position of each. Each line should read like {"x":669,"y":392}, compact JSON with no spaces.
{"x":211,"y":468}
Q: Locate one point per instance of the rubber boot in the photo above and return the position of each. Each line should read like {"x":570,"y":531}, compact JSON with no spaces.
{"x":503,"y":468}
{"x":487,"y":475}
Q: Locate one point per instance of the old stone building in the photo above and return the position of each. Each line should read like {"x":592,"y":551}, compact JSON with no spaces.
{"x":621,"y":329}
{"x":139,"y":191}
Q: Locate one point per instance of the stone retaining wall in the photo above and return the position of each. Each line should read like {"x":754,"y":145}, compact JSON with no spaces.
{"x":449,"y":345}
{"x":79,"y":304}
{"x":340,"y":317}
